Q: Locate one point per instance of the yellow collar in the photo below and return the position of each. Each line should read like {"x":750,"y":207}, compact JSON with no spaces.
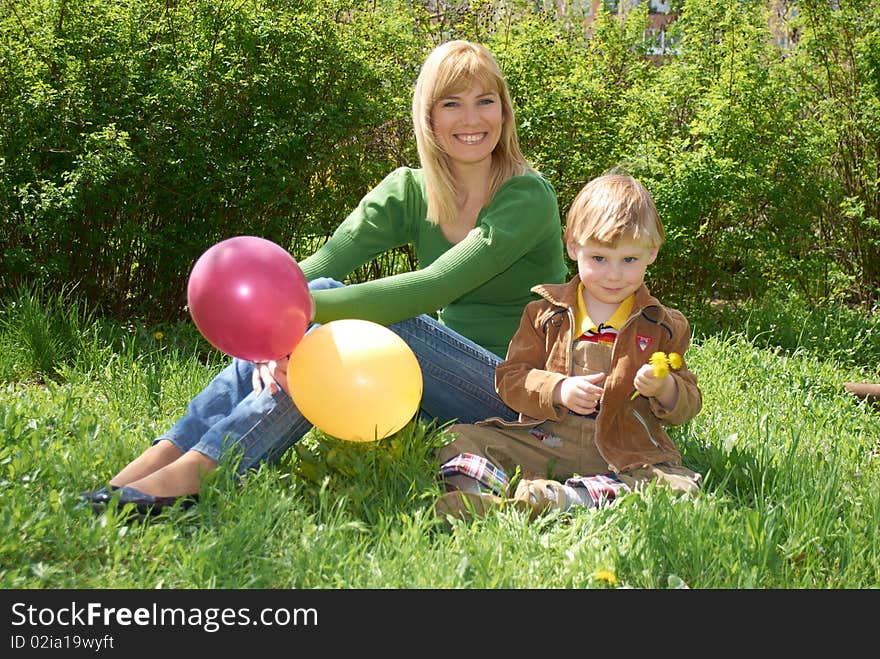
{"x":583,"y":322}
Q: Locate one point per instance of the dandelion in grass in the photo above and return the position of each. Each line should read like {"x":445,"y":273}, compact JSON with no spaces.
{"x":607,"y":576}
{"x":158,"y":336}
{"x":662,"y":364}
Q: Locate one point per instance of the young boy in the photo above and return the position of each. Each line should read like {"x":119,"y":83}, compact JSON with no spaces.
{"x":578,"y":370}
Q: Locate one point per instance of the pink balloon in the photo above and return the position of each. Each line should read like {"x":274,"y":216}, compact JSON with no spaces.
{"x":249,"y":298}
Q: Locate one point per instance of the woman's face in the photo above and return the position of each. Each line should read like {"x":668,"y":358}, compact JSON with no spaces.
{"x":467,"y":124}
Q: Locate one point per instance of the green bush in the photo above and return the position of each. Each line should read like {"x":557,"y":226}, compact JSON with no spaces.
{"x":137,"y":134}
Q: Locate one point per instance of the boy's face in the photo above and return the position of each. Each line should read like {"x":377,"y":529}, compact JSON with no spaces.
{"x":611,"y":274}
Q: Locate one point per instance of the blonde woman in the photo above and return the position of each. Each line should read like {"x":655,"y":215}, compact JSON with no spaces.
{"x":485,"y":227}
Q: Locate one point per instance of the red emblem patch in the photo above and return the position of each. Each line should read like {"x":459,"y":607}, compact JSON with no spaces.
{"x":643,"y":342}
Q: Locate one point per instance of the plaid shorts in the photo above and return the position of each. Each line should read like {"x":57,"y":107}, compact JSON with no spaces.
{"x":480,"y":469}
{"x":603,"y":488}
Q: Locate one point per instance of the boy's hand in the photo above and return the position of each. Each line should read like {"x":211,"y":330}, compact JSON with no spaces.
{"x":664,"y":389}
{"x":270,"y":374}
{"x":580,"y":393}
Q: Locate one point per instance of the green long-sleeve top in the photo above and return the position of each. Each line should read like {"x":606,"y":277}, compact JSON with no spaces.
{"x":477,"y":287}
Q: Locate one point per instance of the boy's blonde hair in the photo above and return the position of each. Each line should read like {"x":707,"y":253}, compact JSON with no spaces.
{"x":450,"y":69}
{"x":614,"y":207}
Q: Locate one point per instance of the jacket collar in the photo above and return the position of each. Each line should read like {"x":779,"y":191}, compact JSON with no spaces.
{"x":565,"y":295}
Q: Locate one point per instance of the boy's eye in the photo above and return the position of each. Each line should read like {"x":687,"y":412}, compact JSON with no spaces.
{"x":630,"y":259}
{"x":598,"y":259}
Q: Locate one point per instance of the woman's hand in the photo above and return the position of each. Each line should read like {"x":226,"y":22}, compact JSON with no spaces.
{"x":270,"y":375}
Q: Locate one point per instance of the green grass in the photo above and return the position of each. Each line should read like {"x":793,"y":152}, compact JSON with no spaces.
{"x":790,"y":464}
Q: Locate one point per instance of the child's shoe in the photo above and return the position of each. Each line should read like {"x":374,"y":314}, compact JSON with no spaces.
{"x":541,"y":495}
{"x":532,"y":496}
{"x":466,"y":505}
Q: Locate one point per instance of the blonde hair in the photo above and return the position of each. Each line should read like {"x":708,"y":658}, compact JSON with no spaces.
{"x":614,"y":207}
{"x":449,"y":69}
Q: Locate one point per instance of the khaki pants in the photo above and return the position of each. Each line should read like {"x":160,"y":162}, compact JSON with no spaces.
{"x":557,"y":451}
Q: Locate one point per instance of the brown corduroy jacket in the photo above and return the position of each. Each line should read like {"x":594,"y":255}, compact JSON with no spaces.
{"x":629,"y":433}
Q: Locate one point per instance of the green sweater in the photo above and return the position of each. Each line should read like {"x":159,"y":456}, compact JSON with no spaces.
{"x":477,"y":287}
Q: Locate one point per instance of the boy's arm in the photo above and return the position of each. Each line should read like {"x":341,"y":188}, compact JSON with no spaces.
{"x":520,"y":380}
{"x":689,"y":400}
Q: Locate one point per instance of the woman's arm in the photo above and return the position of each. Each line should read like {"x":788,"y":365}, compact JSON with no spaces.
{"x":520,"y":216}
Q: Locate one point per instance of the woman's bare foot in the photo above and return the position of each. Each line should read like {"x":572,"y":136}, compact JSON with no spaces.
{"x":159,"y":455}
{"x":181,"y":477}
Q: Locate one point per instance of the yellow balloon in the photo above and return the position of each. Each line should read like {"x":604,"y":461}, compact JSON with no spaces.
{"x":355,"y":380}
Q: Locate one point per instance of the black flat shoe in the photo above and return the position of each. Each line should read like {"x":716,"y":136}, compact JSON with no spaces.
{"x":147,"y":504}
{"x":100,"y":497}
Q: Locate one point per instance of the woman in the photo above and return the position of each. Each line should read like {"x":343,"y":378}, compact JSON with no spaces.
{"x":485,"y":226}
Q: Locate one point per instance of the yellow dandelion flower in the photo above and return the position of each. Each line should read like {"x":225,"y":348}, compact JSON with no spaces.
{"x":605,"y":575}
{"x":661,"y":365}
{"x":658,"y":357}
{"x":158,"y":336}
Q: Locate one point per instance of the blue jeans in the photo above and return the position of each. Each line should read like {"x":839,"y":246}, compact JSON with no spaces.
{"x":227,"y":416}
